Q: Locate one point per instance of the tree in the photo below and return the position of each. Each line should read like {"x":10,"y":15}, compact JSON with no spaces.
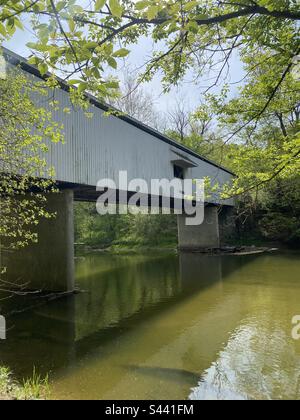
{"x":137,"y":102}
{"x":180,"y":120}
{"x":268,"y":147}
{"x":266,"y":151}
{"x":195,"y":129}
{"x":26,"y":131}
{"x":127,"y":231}
{"x":195,"y":34}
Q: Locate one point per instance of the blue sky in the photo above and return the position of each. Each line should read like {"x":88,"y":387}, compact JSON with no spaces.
{"x":188,"y":91}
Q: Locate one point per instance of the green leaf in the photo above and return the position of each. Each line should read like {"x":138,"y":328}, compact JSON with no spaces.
{"x":141,"y":5}
{"x":91,"y":45}
{"x":82,"y":87}
{"x":152,"y":12}
{"x":43,"y":68}
{"x":60,"y":6}
{"x":112,"y":62}
{"x":99,"y":4}
{"x":10,"y":27}
{"x":96,"y":73}
{"x":74,"y":82}
{"x":77,"y":9}
{"x":33,"y":60}
{"x":72,"y":25}
{"x":112,"y":85}
{"x":116,"y":8}
{"x":31,"y":45}
{"x":2,"y":30}
{"x":193,"y":27}
{"x":19,"y":24}
{"x":108,"y":48}
{"x":123,"y":52}
{"x":190,"y":5}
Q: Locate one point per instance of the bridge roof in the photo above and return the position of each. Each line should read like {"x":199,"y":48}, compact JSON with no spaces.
{"x":18,"y":60}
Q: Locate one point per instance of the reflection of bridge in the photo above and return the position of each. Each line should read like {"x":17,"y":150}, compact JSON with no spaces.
{"x":99,"y":148}
{"x":217,"y":320}
{"x":124,"y":305}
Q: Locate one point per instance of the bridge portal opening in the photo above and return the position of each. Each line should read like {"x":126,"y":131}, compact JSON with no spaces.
{"x":126,"y":231}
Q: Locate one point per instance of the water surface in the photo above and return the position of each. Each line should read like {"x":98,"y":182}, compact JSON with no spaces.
{"x":167,"y":327}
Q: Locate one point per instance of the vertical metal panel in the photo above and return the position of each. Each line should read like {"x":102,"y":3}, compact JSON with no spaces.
{"x":101,"y":146}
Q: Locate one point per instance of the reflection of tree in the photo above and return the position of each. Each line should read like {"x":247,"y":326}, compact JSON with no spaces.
{"x":118,"y":292}
{"x":259,"y":362}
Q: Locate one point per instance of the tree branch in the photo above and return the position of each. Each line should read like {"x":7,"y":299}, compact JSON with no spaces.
{"x":19,"y":12}
{"x":62,"y":30}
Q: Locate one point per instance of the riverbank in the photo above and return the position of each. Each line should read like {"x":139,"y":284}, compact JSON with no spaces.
{"x":127,"y":249}
{"x":138,"y":249}
{"x":33,"y":388}
{"x":235,"y":250}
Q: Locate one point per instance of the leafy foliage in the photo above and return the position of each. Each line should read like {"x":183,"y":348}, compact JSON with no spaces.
{"x":125,"y":231}
{"x":280,"y":210}
{"x":33,"y":388}
{"x":83,"y":41}
{"x":266,"y":146}
{"x":26,"y":132}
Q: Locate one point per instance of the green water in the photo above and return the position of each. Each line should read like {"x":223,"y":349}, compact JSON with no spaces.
{"x":166,"y":327}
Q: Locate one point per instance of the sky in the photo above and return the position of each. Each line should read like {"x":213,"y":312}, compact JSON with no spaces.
{"x":188,"y":90}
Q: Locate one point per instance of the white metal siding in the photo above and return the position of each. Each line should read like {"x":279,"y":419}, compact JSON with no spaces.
{"x":101,"y":146}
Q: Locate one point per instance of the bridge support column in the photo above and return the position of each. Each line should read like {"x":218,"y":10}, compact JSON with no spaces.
{"x":49,"y":264}
{"x":202,"y":236}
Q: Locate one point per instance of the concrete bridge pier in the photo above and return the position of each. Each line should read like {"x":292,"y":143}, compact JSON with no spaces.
{"x":49,"y":264}
{"x":206,"y":235}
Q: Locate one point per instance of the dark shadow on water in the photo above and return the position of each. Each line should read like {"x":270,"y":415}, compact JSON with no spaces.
{"x":171,"y":374}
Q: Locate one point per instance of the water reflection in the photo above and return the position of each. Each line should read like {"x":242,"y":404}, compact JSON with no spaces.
{"x":260,"y":359}
{"x":249,"y":368}
{"x":156,"y":326}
